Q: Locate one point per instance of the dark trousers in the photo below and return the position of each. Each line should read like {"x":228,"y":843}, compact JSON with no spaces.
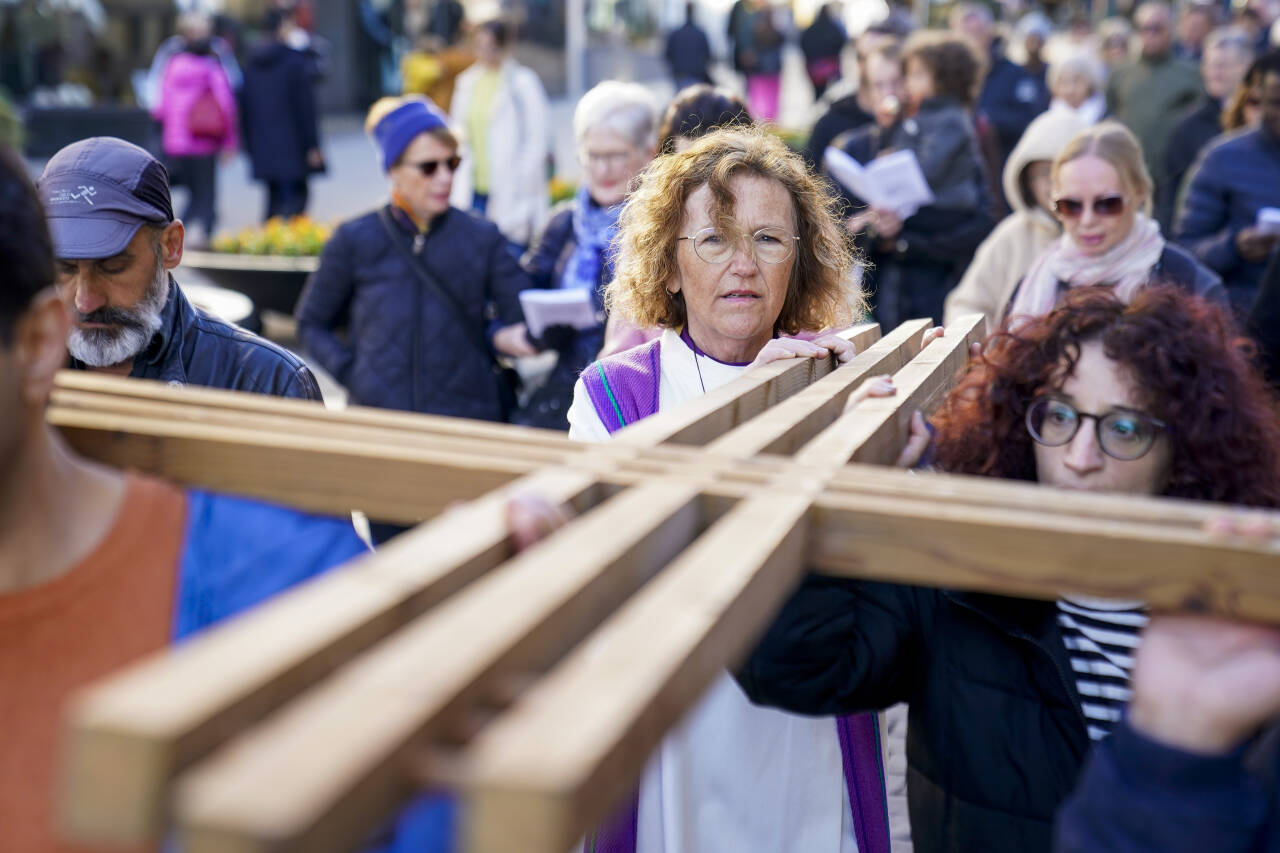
{"x":286,"y":198}
{"x":200,"y":176}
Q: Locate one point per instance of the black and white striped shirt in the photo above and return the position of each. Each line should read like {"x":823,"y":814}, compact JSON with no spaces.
{"x":1101,"y":636}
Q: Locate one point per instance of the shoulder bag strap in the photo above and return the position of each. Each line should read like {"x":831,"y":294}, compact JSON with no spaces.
{"x":428,"y":280}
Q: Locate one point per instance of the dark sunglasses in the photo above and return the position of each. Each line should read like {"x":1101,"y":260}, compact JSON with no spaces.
{"x":428,"y":167}
{"x":1107,"y":205}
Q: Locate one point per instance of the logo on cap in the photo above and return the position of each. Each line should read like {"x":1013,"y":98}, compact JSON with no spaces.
{"x":85,"y":196}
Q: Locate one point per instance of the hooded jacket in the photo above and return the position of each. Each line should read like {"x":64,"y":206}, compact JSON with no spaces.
{"x":1008,"y":252}
{"x":279,"y":120}
{"x":187,"y":78}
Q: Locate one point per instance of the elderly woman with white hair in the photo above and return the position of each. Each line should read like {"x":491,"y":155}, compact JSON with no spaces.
{"x":1077,"y":84}
{"x":615,"y":125}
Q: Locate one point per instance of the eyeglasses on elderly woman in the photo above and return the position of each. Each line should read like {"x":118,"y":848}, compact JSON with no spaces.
{"x":770,"y":245}
{"x":1122,"y":433}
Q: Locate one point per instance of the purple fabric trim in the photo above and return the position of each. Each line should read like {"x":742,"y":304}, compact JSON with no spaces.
{"x":633,"y":378}
{"x":697,"y":350}
{"x":864,"y":780}
{"x":618,"y":835}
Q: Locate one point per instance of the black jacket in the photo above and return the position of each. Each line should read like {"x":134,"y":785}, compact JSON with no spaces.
{"x":1196,"y":127}
{"x":688,"y":54}
{"x":1011,"y":97}
{"x":193,"y":348}
{"x":366,"y":319}
{"x":995,"y":736}
{"x":278,"y":113}
{"x":845,"y":114}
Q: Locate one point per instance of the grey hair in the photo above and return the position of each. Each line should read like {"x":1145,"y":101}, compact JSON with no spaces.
{"x":627,"y":109}
{"x":1081,"y":64}
{"x":1230,"y":37}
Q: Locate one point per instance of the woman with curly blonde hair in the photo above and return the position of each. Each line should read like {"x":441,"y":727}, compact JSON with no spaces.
{"x":729,"y":246}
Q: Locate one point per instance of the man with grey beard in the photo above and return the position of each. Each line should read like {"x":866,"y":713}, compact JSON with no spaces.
{"x":116,"y":239}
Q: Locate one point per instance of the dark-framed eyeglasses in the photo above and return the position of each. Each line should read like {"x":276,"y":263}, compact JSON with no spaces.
{"x":770,"y":245}
{"x":429,"y":167}
{"x":1122,"y":433}
{"x":1104,"y":205}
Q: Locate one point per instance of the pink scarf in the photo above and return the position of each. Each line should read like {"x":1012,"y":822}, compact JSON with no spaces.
{"x":1126,"y":267}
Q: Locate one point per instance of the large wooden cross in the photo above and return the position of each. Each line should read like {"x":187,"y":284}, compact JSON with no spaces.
{"x":536,"y":685}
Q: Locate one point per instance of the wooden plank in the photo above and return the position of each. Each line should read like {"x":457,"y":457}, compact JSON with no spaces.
{"x":702,"y":420}
{"x":133,"y":732}
{"x":321,"y":773}
{"x":788,"y":425}
{"x":568,"y":752}
{"x":874,"y":431}
{"x":144,"y":389}
{"x":1041,"y":553}
{"x":317,"y":475}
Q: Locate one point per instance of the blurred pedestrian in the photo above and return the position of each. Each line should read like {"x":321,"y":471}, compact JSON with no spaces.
{"x":1007,"y":254}
{"x":877,"y":99}
{"x":1115,"y":43}
{"x":763,"y":62}
{"x":822,"y":42}
{"x":615,"y":127}
{"x":197,"y":112}
{"x":917,"y":257}
{"x":191,"y":26}
{"x":1226,"y":56}
{"x":432,"y":68}
{"x":501,"y":108}
{"x":412,"y":300}
{"x":688,"y":52}
{"x":1011,"y":96}
{"x":1197,"y":20}
{"x":1235,"y":178}
{"x":1147,"y":94}
{"x":280,"y":126}
{"x":1031,"y":35}
{"x":1076,"y":83}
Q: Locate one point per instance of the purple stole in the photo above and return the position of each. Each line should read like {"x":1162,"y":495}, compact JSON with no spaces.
{"x":624,"y":388}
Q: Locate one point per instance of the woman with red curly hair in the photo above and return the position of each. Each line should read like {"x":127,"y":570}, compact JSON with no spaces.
{"x":1007,"y":695}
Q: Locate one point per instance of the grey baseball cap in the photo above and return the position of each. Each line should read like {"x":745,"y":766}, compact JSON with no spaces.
{"x":98,"y":192}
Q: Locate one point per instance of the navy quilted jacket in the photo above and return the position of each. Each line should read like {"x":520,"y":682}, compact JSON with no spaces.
{"x":1236,"y":176}
{"x":366,"y":319}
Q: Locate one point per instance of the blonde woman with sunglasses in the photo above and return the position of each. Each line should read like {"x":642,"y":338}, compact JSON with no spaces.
{"x":1102,"y":197}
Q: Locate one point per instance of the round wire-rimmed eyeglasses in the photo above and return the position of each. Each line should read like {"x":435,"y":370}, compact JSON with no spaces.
{"x":770,"y":245}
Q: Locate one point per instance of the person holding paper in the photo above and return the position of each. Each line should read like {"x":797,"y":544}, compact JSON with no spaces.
{"x":1236,"y":178}
{"x":917,"y":255}
{"x":615,"y":125}
{"x":410,"y":300}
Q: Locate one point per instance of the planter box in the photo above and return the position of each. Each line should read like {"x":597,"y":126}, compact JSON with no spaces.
{"x":273,"y":282}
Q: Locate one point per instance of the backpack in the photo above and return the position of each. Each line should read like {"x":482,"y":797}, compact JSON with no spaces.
{"x":206,"y":119}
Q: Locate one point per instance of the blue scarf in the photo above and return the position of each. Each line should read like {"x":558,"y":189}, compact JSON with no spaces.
{"x":594,"y":228}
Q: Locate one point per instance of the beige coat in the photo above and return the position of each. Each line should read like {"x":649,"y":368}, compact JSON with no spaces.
{"x":1008,"y":252}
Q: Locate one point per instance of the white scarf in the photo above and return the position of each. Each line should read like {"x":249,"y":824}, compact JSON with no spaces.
{"x":1126,"y":266}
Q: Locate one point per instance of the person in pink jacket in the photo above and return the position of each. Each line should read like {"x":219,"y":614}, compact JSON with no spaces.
{"x":197,"y":111}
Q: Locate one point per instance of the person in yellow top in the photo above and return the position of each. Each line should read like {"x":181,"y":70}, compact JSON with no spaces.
{"x":432,"y":68}
{"x":502,"y":108}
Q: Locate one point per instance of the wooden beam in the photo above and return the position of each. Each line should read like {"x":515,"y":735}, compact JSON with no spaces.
{"x":571,"y":749}
{"x":1041,"y":552}
{"x":323,"y":772}
{"x":874,"y":431}
{"x":702,"y":420}
{"x":132,"y":733}
{"x":788,"y":425}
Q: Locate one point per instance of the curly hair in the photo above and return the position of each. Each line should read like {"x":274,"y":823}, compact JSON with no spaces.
{"x":1181,"y":352}
{"x":818,"y":294}
{"x":956,"y":67}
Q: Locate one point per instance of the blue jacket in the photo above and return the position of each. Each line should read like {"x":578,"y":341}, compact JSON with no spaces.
{"x":403,"y":348}
{"x":1139,"y":796}
{"x":1235,"y":177}
{"x":278,"y":113}
{"x":194,"y":348}
{"x":1011,"y":97}
{"x":239,"y":552}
